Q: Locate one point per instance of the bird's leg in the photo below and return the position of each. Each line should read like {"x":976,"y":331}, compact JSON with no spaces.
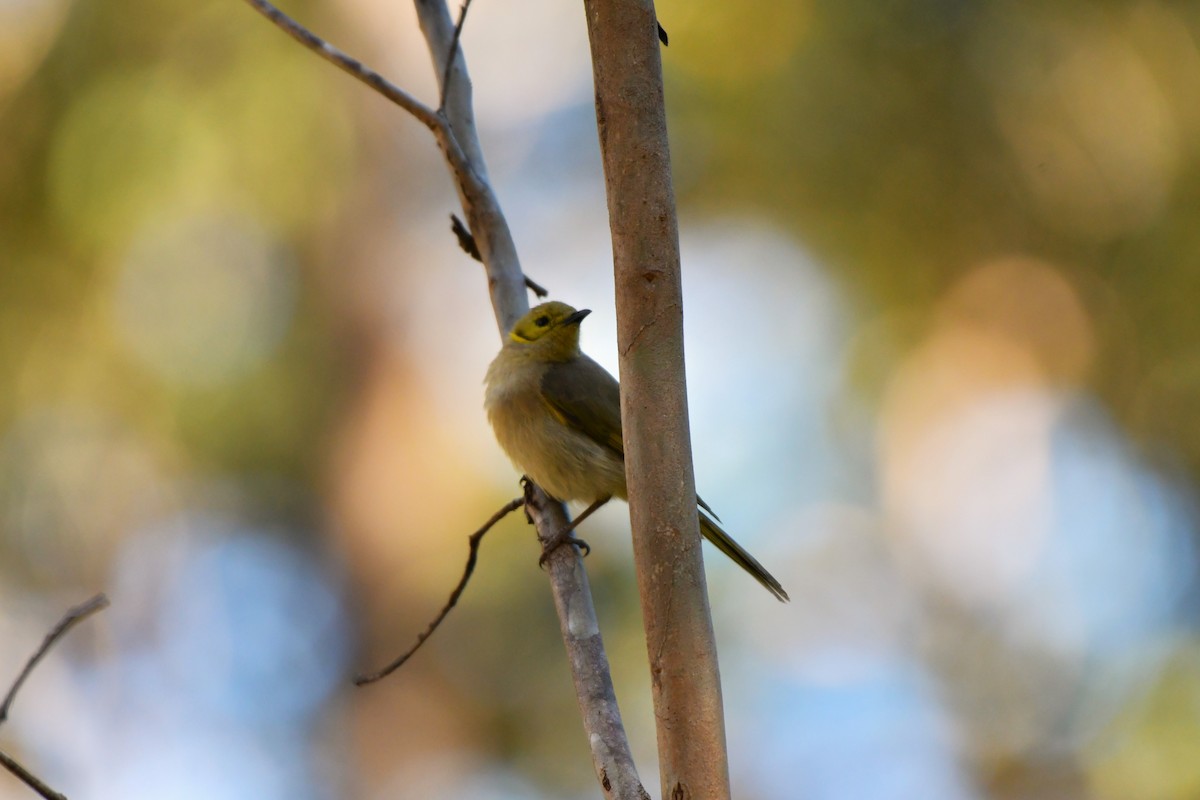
{"x":587,"y":512}
{"x":565,"y":535}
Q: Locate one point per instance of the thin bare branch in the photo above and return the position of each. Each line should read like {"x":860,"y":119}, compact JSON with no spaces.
{"x":68,"y":621}
{"x":347,"y":64}
{"x":447,"y":72}
{"x":473,"y":540}
{"x":28,"y":778}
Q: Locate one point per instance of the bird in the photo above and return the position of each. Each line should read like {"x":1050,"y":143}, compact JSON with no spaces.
{"x":557,"y":415}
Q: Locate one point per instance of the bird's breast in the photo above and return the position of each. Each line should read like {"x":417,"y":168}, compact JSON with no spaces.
{"x":563,"y":461}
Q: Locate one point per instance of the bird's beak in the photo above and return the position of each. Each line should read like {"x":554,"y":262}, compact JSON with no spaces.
{"x":577,"y":317}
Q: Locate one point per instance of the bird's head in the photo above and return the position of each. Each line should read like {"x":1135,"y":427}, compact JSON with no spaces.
{"x":549,"y":331}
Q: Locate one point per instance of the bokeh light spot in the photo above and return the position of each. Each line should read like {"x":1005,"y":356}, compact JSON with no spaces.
{"x":1028,"y":301}
{"x":1089,"y":126}
{"x":205,"y":299}
{"x":128,"y":147}
{"x":72,"y":482}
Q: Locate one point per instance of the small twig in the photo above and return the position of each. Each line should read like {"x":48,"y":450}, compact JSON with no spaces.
{"x":73,"y":616}
{"x":30,"y":780}
{"x":474,"y":541}
{"x":536,"y":288}
{"x":448,"y":70}
{"x":467,"y":242}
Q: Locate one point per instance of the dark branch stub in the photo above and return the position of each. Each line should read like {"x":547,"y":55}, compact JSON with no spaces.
{"x":467,"y":242}
{"x":536,"y":288}
{"x":474,"y":540}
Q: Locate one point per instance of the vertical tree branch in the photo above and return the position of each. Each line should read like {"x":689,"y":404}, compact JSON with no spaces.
{"x":485,"y":219}
{"x":611,"y":756}
{"x":658,"y":460}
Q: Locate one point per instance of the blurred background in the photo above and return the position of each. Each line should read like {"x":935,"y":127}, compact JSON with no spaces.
{"x":941,"y":262}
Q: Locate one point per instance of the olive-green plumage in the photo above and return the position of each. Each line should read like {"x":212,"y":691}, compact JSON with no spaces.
{"x":557,"y":413}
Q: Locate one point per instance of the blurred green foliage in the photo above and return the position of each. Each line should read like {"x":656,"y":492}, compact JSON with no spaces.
{"x":141,"y":115}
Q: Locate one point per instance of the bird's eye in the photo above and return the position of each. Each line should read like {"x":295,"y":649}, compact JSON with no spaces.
{"x":542,"y":321}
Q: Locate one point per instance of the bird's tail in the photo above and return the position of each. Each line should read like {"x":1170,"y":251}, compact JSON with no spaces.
{"x":712,"y":531}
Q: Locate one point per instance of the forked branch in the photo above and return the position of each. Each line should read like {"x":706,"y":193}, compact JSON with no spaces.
{"x":453,"y":127}
{"x":447,"y":71}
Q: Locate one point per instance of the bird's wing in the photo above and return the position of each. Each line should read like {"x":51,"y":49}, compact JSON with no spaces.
{"x":584,"y":396}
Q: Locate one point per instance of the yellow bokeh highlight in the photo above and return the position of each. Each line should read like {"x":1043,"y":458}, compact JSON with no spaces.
{"x":1090,"y":128}
{"x":130,"y":145}
{"x":252,"y":136}
{"x":711,"y":42}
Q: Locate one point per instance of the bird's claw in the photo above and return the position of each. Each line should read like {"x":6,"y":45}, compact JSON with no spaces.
{"x":557,"y":541}
{"x":527,"y":489}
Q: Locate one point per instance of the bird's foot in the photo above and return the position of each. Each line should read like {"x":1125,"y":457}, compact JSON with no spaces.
{"x":565,"y":536}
